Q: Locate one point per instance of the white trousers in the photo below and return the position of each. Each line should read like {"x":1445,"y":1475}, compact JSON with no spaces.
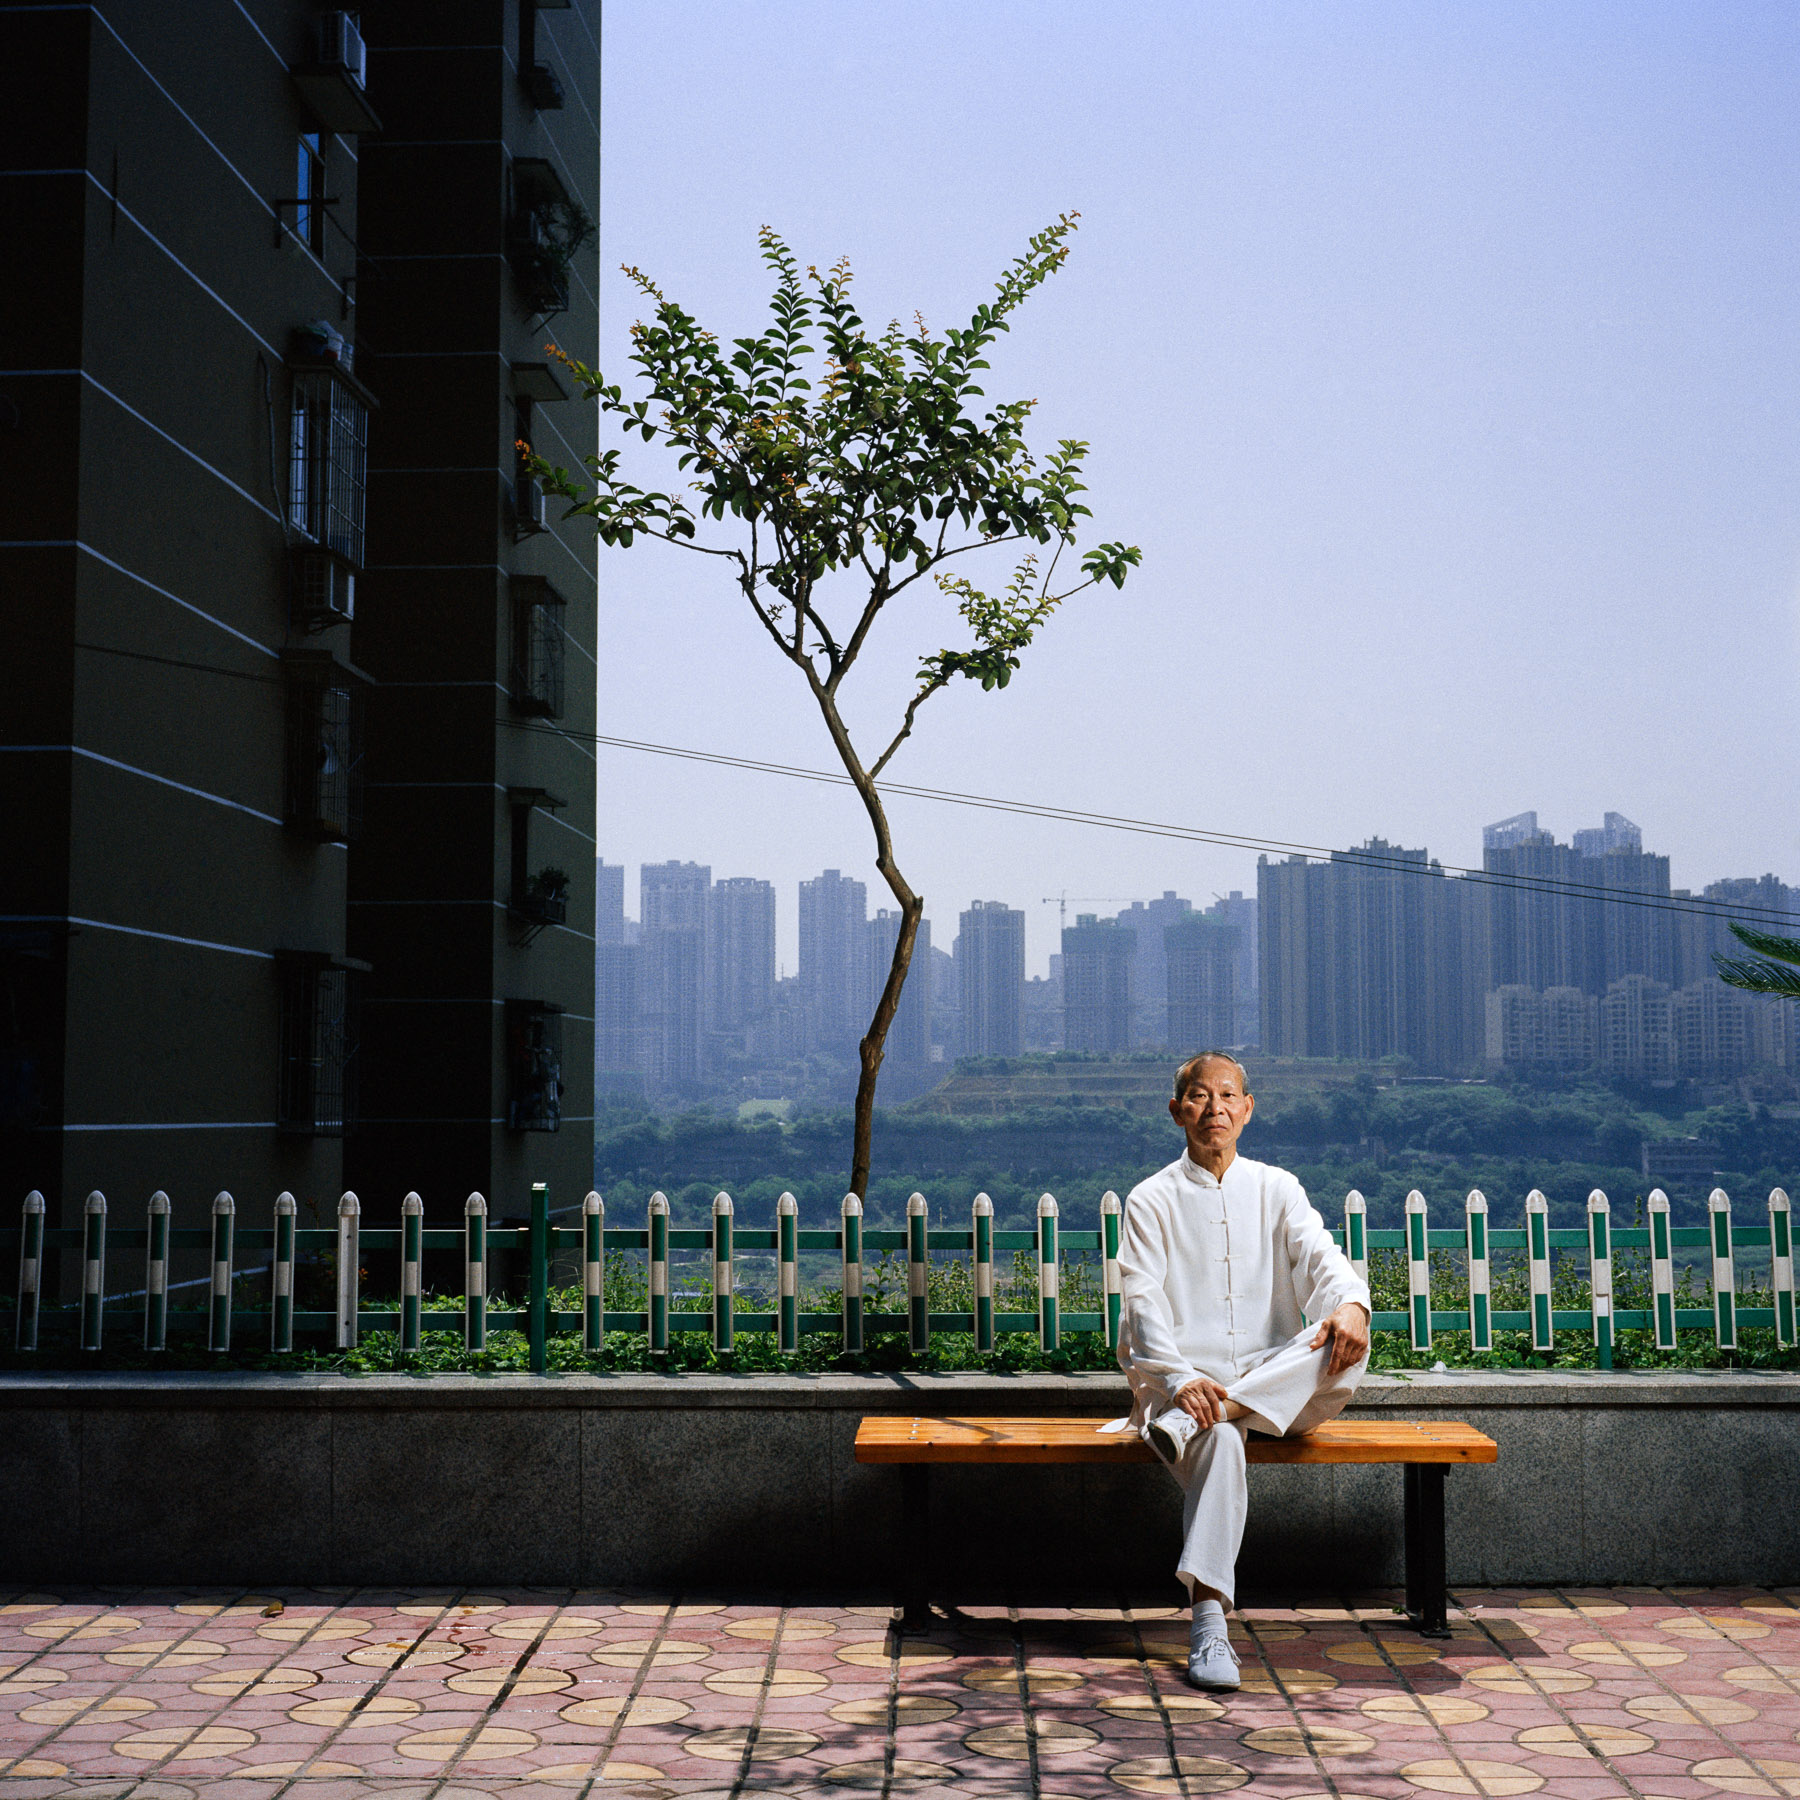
{"x":1287,"y":1392}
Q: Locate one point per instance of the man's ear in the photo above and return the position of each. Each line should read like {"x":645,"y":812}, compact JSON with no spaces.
{"x":1175,"y":1111}
{"x":1250,"y":1101}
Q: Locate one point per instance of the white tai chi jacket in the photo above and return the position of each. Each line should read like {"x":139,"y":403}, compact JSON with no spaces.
{"x":1216,"y":1275}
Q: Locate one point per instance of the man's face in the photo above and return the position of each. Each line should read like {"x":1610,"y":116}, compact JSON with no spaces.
{"x":1213,"y":1110}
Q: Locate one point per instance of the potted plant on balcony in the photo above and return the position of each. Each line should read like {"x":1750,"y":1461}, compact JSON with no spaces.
{"x":547,"y":896}
{"x":546,"y":239}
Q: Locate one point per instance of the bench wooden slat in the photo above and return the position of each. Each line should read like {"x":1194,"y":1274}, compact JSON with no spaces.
{"x":899,"y":1439}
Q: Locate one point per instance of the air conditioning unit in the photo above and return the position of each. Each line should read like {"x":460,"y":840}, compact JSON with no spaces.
{"x":341,"y":46}
{"x":324,"y":590}
{"x":542,"y":85}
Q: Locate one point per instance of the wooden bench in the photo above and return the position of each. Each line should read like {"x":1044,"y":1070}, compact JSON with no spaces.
{"x":1425,"y":1449}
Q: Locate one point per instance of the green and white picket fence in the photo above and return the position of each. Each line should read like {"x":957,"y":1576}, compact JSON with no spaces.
{"x":590,"y":1242}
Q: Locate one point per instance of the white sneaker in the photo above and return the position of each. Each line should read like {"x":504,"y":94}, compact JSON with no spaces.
{"x":1213,"y":1665}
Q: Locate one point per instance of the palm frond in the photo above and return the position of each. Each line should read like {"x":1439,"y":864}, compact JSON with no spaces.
{"x":1780,"y":948}
{"x":1759,"y":977}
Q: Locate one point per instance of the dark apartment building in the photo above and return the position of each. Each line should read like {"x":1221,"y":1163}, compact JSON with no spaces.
{"x":1201,"y":953}
{"x":990,"y":970}
{"x":834,"y":957}
{"x":1098,"y":964}
{"x":290,"y":642}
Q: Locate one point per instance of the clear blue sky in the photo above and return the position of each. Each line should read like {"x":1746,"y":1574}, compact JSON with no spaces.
{"x":1444,"y":360}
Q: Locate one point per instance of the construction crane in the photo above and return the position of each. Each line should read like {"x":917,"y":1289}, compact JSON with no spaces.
{"x":1061,"y":903}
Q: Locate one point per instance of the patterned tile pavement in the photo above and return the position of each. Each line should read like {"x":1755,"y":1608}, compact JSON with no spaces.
{"x":328,"y":1695}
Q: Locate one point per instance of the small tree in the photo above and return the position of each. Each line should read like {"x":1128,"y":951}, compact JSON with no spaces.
{"x":1773,"y":971}
{"x":858,"y":456}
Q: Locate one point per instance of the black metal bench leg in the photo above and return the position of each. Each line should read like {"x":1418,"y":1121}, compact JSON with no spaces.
{"x":915,"y":1546}
{"x":1426,"y":1569}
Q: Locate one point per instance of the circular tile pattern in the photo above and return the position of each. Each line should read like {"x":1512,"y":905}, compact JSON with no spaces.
{"x":1377,"y":1653}
{"x":227,"y":1609}
{"x":1585,"y":1744}
{"x":698,"y":1610}
{"x":909,"y":1709}
{"x":1003,"y":1678}
{"x":534,"y":1678}
{"x":908,"y":1772}
{"x":1441,"y":1709}
{"x":399,"y":1650}
{"x":1270,"y":1631}
{"x":30,"y":1603}
{"x":1012,"y":1743}
{"x":911,"y":1654}
{"x":792,"y":1632}
{"x":1767,"y":1678}
{"x":1307,"y":1740}
{"x":1690,"y":1709}
{"x":1732,"y":1775}
{"x":79,"y":1625}
{"x":728,"y":1743}
{"x":168,"y":1653}
{"x":1158,"y":1775}
{"x":782,"y":1684}
{"x":1516,"y":1678}
{"x":32,"y":1678}
{"x":184,"y":1743}
{"x":1629,"y":1652}
{"x":1292,"y":1680}
{"x":1710,"y":1627}
{"x":570,"y":1625}
{"x":492,"y":1743}
{"x":1442,"y":1776}
{"x":646,"y":1709}
{"x":33,"y":1768}
{"x":428,"y":1607}
{"x":628,"y":1653}
{"x":254,"y":1684}
{"x":89,"y":1709}
{"x":1183,"y":1709}
{"x":320,"y":1768}
{"x":355,"y":1712}
{"x":289,"y":1630}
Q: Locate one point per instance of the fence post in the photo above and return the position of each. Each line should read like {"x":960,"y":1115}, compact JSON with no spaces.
{"x":982,"y":1269}
{"x":593,"y":1273}
{"x":1662,"y":1271}
{"x":1111,"y":1222}
{"x":658,"y":1222}
{"x":1537,"y":1249}
{"x":1049,"y":1269}
{"x":93,"y":1271}
{"x":918,"y":1303}
{"x":475,"y":1273}
{"x":281,"y":1283}
{"x":156,"y":1273}
{"x":412,"y":1226}
{"x":31,"y":1265}
{"x":1418,"y":1272}
{"x":537,"y":1319}
{"x":724,"y":1325}
{"x":1781,"y":1264}
{"x":349,"y":1271}
{"x":851,"y":1219}
{"x":218,"y":1335}
{"x":1481,"y":1303}
{"x":1356,"y":1234}
{"x":787,"y":1228}
{"x":1600,"y":1286}
{"x":1718,"y":1205}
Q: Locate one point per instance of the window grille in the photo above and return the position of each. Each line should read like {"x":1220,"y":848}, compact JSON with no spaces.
{"x":539,"y":639}
{"x":324,"y":753}
{"x":318,"y":1047}
{"x":328,"y":463}
{"x":534,"y":1065}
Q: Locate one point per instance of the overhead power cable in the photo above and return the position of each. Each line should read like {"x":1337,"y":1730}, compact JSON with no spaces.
{"x":1547,"y":886}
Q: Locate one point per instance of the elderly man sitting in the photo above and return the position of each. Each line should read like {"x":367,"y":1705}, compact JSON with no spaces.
{"x":1219,"y":1259}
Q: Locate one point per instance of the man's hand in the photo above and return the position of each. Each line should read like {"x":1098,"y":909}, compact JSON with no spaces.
{"x":1347,"y":1332}
{"x":1205,"y":1402}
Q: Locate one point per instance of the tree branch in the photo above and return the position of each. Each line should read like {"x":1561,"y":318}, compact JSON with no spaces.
{"x":905,"y":731}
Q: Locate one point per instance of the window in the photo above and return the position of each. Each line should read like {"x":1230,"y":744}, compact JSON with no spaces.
{"x":549,"y":228}
{"x":309,"y":194}
{"x":318,"y":1044}
{"x":328,"y":463}
{"x":534,"y":1065}
{"x":537,"y":896}
{"x":324,"y":747}
{"x":538,"y":642}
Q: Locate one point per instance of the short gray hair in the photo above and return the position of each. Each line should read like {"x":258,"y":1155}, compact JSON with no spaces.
{"x":1185,"y":1073}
